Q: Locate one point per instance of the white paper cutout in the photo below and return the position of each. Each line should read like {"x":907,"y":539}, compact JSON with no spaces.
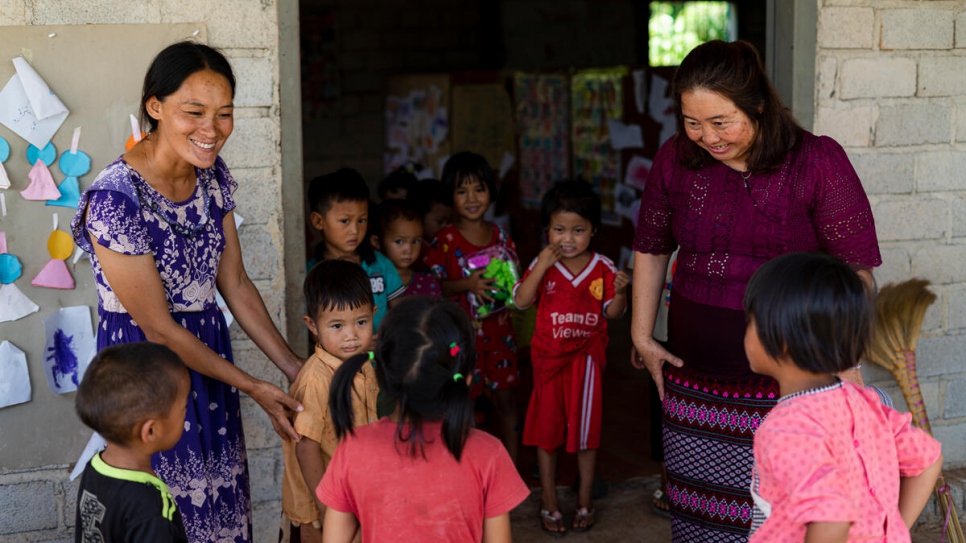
{"x":42,"y":100}
{"x":624,"y":136}
{"x":15,"y":304}
{"x":14,"y":379}
{"x":68,"y":347}
{"x":506,"y":163}
{"x":637,"y":169}
{"x":219,"y":299}
{"x":94,"y":444}
{"x":640,"y":89}
{"x":17,"y":112}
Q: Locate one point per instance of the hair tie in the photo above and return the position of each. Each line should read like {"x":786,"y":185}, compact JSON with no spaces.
{"x":454,"y":349}
{"x":457,"y":376}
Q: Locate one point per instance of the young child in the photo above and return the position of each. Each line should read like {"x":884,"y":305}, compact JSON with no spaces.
{"x":398,"y":233}
{"x":340,"y":210}
{"x":135,"y":395}
{"x":432,"y":201}
{"x":396,"y":185}
{"x":340,"y":307}
{"x":575,"y":289}
{"x":832,"y":464}
{"x":470,"y":182}
{"x":425,"y":474}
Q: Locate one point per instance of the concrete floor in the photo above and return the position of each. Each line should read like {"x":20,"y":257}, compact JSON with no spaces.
{"x":623,"y":515}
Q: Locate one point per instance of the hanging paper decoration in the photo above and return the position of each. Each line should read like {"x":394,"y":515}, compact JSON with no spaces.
{"x":14,"y":379}
{"x":42,"y":185}
{"x":69,"y":347}
{"x":136,"y":134}
{"x":13,"y":303}
{"x":73,"y":164}
{"x":55,"y":274}
{"x":29,"y":107}
{"x":4,"y":155}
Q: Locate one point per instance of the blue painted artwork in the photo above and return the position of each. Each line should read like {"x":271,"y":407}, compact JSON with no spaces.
{"x":63,"y":358}
{"x":69,"y":347}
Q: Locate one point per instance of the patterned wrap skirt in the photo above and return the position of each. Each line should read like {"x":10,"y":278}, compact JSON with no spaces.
{"x":709,"y":428}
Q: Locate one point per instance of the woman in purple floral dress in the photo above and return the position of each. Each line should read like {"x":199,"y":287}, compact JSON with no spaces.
{"x":158,"y":223}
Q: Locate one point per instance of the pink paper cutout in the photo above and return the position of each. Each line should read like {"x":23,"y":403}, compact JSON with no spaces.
{"x":42,"y":185}
{"x":54,"y":275}
{"x":3,"y":242}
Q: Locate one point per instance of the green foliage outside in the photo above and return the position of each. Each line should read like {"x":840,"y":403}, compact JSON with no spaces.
{"x":677,"y":27}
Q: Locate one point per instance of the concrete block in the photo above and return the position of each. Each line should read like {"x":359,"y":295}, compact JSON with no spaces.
{"x":940,"y":171}
{"x":877,"y":77}
{"x":884,"y":173}
{"x":265,"y":470}
{"x":895,"y":266}
{"x":910,"y":219}
{"x":930,"y":392}
{"x":56,"y":12}
{"x":904,"y":29}
{"x":851,"y":127}
{"x":70,"y":502}
{"x":825,"y":82}
{"x":265,"y":520}
{"x":940,"y":356}
{"x":961,"y":30}
{"x":942,"y":76}
{"x":954,"y":405}
{"x":253,"y":144}
{"x":13,"y":13}
{"x":957,"y":207}
{"x":846,"y":28}
{"x":28,"y":507}
{"x":941,"y":264}
{"x":260,"y":252}
{"x":912,"y":124}
{"x":257,"y":197}
{"x":255,"y":82}
{"x":259,"y":432}
{"x":932,"y":321}
{"x":242,"y":24}
{"x":953,"y":438}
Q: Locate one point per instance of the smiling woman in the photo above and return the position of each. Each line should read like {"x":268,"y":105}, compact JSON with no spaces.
{"x":159,"y":225}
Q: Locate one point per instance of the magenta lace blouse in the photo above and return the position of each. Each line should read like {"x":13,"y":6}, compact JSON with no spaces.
{"x":727,"y":227}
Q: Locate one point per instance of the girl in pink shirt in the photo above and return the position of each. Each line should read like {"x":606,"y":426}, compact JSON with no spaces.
{"x":832,"y":464}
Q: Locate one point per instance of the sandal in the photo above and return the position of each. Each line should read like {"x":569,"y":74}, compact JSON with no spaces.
{"x":552,"y":522}
{"x":584,"y":516}
{"x":660,"y":505}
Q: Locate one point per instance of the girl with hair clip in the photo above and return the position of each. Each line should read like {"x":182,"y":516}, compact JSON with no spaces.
{"x":459,"y":483}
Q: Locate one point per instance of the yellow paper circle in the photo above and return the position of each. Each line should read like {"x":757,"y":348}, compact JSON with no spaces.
{"x":60,"y":245}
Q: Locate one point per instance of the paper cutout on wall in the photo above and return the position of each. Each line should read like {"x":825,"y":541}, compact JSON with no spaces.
{"x":69,"y":190}
{"x":73,"y":164}
{"x":69,"y":347}
{"x":48,"y":154}
{"x":637,"y":169}
{"x":13,"y":303}
{"x":14,"y":379}
{"x":55,"y":274}
{"x":29,"y":107}
{"x":42,"y":185}
{"x":10,"y":268}
{"x":3,"y":242}
{"x":94,"y":444}
{"x":4,"y":155}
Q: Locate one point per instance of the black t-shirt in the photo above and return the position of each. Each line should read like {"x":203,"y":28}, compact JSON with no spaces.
{"x":120,"y":506}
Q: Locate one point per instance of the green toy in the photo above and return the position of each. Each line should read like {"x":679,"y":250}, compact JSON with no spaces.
{"x":500,"y":265}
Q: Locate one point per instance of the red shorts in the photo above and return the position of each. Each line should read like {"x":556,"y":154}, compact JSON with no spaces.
{"x":561,"y":412}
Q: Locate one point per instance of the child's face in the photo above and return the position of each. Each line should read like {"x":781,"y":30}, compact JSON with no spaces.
{"x":343,"y":226}
{"x":342,"y":332}
{"x":171,"y":426}
{"x":401,"y":242}
{"x":571,"y":232}
{"x":759,"y":360}
{"x":438,"y":217}
{"x":471,"y":199}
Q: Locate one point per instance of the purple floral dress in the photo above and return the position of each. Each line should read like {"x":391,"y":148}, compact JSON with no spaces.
{"x":207,"y":470}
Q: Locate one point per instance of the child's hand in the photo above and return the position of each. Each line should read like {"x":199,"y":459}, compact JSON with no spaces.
{"x":480,"y":286}
{"x":548,"y":256}
{"x":621,"y":280}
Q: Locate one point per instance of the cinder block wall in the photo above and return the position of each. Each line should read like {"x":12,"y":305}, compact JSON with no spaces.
{"x":891,"y":88}
{"x":38,"y":504}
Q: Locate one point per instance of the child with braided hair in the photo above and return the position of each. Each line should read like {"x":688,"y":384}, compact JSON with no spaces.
{"x":459,"y":483}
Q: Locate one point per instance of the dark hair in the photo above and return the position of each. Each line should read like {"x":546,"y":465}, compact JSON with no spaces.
{"x":400,"y":178}
{"x":173,"y":65}
{"x":428,"y":192}
{"x":573,"y":196}
{"x":813,"y":308}
{"x":125,"y":385}
{"x":734,"y":71}
{"x":393,"y":210}
{"x":418,"y":371}
{"x":336,"y":285}
{"x":342,"y":185}
{"x":461,"y":167}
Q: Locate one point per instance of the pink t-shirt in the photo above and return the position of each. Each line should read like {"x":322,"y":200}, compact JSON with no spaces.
{"x":400,"y":498}
{"x":835,"y":456}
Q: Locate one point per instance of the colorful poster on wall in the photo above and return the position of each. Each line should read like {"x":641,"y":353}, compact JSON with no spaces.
{"x":417,"y":121}
{"x":597,"y":97}
{"x":483,"y":122}
{"x":543,"y":122}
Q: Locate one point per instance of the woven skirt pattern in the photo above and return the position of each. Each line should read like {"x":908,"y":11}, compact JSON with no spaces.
{"x":709,"y":428}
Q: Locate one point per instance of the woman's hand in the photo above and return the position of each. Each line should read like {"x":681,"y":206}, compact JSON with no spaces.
{"x":277,"y":404}
{"x":652,"y":356}
{"x":480,"y":286}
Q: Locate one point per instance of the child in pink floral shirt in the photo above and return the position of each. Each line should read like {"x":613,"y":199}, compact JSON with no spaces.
{"x":832,"y":464}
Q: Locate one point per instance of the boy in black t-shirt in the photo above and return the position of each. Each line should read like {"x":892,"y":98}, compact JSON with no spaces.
{"x":135,"y":396}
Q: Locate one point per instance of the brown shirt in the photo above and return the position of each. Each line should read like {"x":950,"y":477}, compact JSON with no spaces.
{"x":311,"y":389}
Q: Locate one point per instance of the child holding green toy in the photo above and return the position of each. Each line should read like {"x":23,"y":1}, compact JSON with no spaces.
{"x":459,"y":257}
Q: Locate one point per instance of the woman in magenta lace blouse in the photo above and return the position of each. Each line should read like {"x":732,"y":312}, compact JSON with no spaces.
{"x":739,"y":184}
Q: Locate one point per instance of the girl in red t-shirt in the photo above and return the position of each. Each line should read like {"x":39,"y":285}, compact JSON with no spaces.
{"x":423,"y":473}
